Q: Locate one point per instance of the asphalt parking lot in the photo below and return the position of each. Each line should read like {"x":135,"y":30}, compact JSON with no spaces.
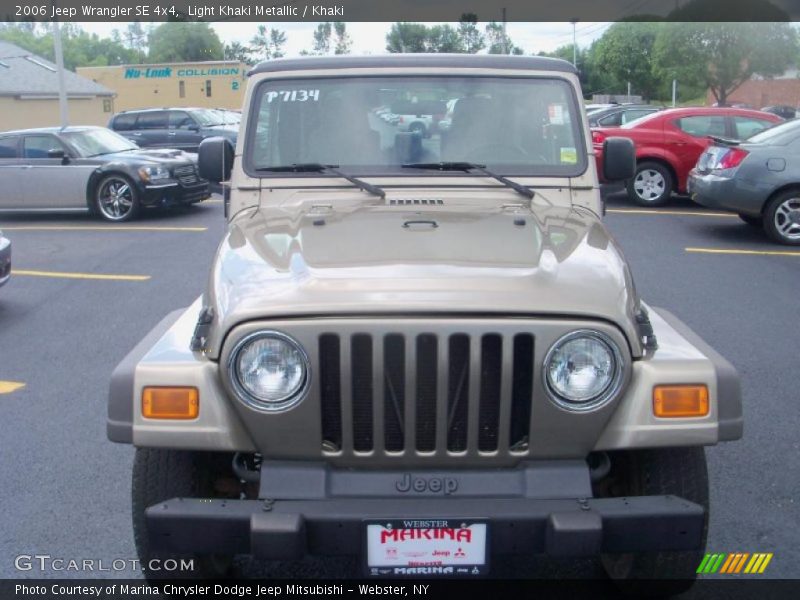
{"x":84,"y":292}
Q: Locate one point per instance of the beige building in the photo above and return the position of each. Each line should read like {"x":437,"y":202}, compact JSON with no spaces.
{"x":29,"y":93}
{"x":213,"y":84}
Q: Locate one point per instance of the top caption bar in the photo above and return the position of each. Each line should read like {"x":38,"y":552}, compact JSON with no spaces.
{"x":399,"y":10}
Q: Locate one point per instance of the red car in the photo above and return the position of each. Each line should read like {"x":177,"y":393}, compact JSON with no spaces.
{"x":668,"y":144}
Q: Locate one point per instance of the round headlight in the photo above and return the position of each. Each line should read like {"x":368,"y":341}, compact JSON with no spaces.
{"x":583,"y":370}
{"x":269,"y":370}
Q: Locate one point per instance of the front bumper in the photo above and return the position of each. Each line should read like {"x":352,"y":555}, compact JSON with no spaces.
{"x":173,"y":192}
{"x":292,"y":529}
{"x":5,"y":260}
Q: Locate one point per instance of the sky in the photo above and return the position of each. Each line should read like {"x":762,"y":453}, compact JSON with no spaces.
{"x":370,"y":38}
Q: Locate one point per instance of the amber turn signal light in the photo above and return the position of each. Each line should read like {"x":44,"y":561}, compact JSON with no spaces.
{"x":674,"y":401}
{"x":170,"y":403}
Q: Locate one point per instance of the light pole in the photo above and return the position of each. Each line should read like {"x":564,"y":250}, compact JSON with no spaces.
{"x":62,"y":91}
{"x":574,"y":43}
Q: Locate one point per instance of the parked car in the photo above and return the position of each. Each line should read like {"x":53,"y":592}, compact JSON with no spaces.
{"x":181,"y":128}
{"x":5,"y":259}
{"x":92,"y":169}
{"x":784,"y":112}
{"x":669,"y":142}
{"x":620,"y":114}
{"x":759,"y":179}
{"x":419,"y":117}
{"x":388,"y":367}
{"x":591,"y":108}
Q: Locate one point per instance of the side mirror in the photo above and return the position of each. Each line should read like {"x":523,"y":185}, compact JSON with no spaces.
{"x":215,"y":159}
{"x":56,"y":153}
{"x":619,"y":159}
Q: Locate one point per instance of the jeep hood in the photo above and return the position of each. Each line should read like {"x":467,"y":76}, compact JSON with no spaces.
{"x":388,"y":260}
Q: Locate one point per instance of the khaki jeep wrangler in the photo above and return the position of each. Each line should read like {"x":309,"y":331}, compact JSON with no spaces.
{"x":423,"y":350}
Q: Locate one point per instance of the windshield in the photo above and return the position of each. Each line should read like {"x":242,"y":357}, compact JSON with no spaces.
{"x":208,"y":118}
{"x":94,"y":142}
{"x":372,"y":125}
{"x":780,"y":135}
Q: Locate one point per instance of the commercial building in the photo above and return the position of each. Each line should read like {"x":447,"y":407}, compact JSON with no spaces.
{"x":29,"y":93}
{"x":759,"y":92}
{"x":214,"y":84}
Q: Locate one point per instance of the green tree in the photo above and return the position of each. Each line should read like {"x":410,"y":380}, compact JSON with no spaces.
{"x":722,"y":56}
{"x":499,"y":41}
{"x":184,"y":41}
{"x":407,"y":37}
{"x":626,"y":53}
{"x":322,"y":39}
{"x":238,"y":51}
{"x":444,"y":38}
{"x":472,"y":39}
{"x":343,"y":41}
{"x":267,"y":43}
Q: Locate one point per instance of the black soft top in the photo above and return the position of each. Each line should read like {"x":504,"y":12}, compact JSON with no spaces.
{"x":463,"y":61}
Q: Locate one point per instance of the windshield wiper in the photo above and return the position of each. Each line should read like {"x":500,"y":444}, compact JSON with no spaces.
{"x":468,"y":166}
{"x":320,"y":168}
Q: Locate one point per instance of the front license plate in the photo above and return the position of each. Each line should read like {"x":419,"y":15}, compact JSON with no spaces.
{"x":426,"y":548}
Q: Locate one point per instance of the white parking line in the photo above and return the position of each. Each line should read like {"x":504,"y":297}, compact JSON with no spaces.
{"x":680,"y":213}
{"x":735,"y":251}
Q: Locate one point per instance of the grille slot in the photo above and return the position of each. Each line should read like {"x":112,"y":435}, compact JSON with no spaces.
{"x":186,"y":175}
{"x":429,"y":394}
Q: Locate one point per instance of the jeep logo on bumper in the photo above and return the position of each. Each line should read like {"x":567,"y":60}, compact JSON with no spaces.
{"x":436,"y":485}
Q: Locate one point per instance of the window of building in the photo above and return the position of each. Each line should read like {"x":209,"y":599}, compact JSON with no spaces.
{"x":182,"y":89}
{"x":208,"y":88}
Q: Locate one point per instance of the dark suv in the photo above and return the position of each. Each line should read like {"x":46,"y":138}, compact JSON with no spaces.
{"x":182,"y":128}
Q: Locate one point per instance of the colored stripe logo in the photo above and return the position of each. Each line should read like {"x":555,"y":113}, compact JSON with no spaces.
{"x":734,"y":563}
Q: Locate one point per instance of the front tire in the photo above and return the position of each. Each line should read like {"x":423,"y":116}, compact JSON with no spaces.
{"x":652,"y":185}
{"x":159,"y":475}
{"x":116,"y":199}
{"x":680,"y":472}
{"x":782,"y":218}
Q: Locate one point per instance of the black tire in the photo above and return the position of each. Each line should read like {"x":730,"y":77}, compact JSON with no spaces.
{"x":120,"y":187}
{"x":652,"y":185}
{"x":419,"y":128}
{"x":677,"y":471}
{"x":159,"y":475}
{"x":782,"y":218}
{"x":752,"y":221}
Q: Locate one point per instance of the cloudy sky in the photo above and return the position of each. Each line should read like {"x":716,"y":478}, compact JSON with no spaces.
{"x":370,"y":38}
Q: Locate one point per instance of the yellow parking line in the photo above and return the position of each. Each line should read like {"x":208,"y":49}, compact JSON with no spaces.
{"x":213,"y":201}
{"x":6,"y":387}
{"x":99,"y":228}
{"x":734,"y":251}
{"x":681,"y":213}
{"x":63,"y":275}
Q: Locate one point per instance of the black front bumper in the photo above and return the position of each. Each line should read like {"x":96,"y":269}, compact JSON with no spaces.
{"x":176,"y":194}
{"x":291,"y":529}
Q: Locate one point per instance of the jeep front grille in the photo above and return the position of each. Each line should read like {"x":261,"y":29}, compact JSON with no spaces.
{"x":426,"y":394}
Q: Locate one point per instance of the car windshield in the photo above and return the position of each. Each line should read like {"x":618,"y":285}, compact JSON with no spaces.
{"x":208,"y":118}
{"x":779,"y":135}
{"x":94,"y":142}
{"x":375,"y":125}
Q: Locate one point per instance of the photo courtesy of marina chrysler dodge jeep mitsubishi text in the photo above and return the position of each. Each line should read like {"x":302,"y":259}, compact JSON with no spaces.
{"x":423,"y":350}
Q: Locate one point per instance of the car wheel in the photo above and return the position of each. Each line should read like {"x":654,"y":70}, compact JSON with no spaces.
{"x":159,"y":475}
{"x":782,"y":218}
{"x":754,"y":221}
{"x":652,"y":184}
{"x":679,"y":472}
{"x":116,"y":198}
